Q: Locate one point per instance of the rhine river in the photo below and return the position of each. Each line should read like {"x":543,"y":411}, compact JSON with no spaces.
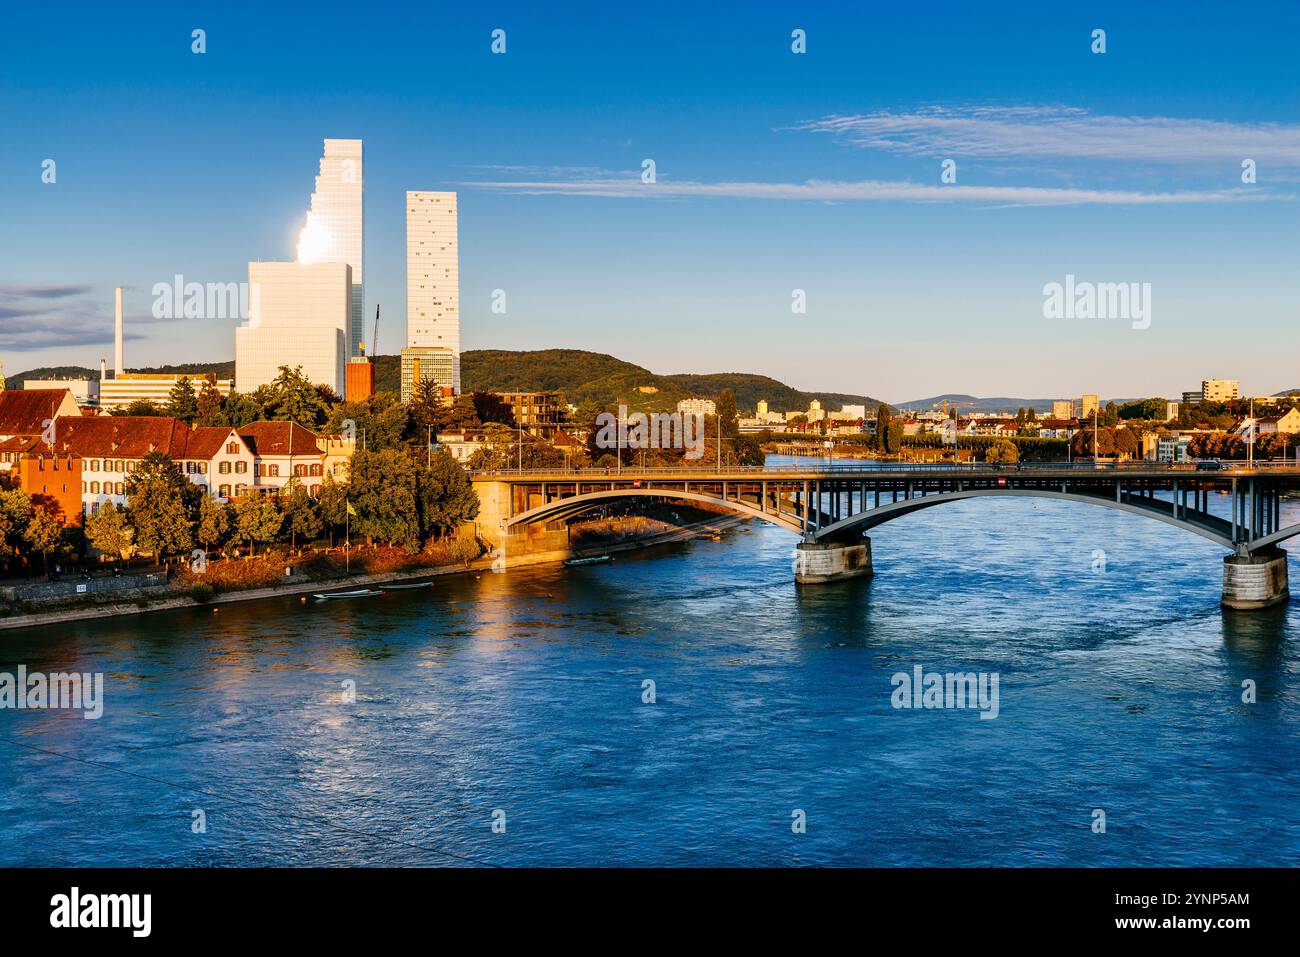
{"x":518,"y":698}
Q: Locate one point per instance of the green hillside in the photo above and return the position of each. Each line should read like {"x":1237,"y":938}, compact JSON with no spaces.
{"x":580,"y":375}
{"x":606,"y":380}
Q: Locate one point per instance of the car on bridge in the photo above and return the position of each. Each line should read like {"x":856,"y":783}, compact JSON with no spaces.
{"x":1209,"y":465}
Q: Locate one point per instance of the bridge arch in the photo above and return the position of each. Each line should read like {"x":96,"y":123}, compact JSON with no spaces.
{"x":575,"y":505}
{"x":1209,"y":527}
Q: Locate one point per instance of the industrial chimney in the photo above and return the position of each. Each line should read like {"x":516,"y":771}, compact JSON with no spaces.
{"x":117,"y":338}
{"x":103,"y":369}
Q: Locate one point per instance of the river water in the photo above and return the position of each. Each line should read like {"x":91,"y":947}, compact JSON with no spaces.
{"x":520,"y":698}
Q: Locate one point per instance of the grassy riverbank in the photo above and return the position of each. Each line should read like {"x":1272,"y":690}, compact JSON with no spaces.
{"x":288,"y":585}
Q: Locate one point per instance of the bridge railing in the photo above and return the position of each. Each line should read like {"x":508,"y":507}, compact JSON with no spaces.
{"x":704,"y":473}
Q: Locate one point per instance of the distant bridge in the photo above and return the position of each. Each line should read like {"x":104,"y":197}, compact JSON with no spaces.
{"x":832,"y":508}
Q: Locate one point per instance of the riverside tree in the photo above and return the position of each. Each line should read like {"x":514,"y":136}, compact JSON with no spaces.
{"x":301,"y":516}
{"x":44,"y":534}
{"x":163,"y":505}
{"x":110,"y":532}
{"x":384,"y":493}
{"x":213,"y":523}
{"x":257,"y":519}
{"x":332,"y":505}
{"x":446,"y":496}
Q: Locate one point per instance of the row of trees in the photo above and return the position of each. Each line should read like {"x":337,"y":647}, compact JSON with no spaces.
{"x":389,"y":497}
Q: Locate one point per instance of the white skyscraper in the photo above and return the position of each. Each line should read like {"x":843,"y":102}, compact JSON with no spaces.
{"x":335,"y":230}
{"x":298,"y":314}
{"x":432,"y":291}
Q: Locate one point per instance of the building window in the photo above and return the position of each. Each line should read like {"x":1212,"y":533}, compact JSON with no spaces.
{"x":315,"y":469}
{"x":223,"y":468}
{"x":118,"y":489}
{"x":300,"y":470}
{"x":94,"y":488}
{"x":273,"y":471}
{"x":240,"y":489}
{"x":315,"y":491}
{"x":241,"y":467}
{"x":225,"y":491}
{"x":232,"y":448}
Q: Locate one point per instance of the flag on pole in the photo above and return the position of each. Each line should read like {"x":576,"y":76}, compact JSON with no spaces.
{"x":351,"y":510}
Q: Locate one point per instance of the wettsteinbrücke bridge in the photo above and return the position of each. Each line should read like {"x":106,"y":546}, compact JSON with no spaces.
{"x":832,"y":508}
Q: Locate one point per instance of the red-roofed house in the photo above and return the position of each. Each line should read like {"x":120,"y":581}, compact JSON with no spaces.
{"x":217,"y":458}
{"x":283,"y":450}
{"x":30,"y":413}
{"x":111,"y":447}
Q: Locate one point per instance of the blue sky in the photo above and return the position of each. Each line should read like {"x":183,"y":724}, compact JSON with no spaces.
{"x":775,"y":172}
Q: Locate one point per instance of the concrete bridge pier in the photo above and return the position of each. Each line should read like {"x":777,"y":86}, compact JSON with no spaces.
{"x":1255,"y":581}
{"x":817,"y":562}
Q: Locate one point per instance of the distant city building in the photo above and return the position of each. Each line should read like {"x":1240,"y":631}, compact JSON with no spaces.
{"x":1287,"y":423}
{"x":152,"y":387}
{"x":1172,"y":449}
{"x":535,"y":411}
{"x":84,"y":391}
{"x":1172,"y":411}
{"x":433,"y":277}
{"x":1063,"y":409}
{"x":761,"y":410}
{"x":854,"y":411}
{"x":1220,"y":390}
{"x":335,"y":230}
{"x":428,"y":362}
{"x":697,"y":407}
{"x":1088,"y":404}
{"x":1193,"y":398}
{"x":298,"y":314}
{"x":360,"y":379}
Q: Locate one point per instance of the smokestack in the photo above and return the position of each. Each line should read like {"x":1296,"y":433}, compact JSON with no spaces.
{"x":117,"y":338}
{"x":103,"y":369}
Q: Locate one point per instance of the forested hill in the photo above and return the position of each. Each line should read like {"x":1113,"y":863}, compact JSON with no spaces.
{"x":607,"y":380}
{"x":580,"y":375}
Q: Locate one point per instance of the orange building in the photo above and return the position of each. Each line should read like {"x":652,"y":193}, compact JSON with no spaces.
{"x":359,"y":383}
{"x":53,"y":482}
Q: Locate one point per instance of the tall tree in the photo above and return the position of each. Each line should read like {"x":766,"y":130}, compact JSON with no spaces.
{"x":294,"y":398}
{"x":331,"y":502}
{"x":163,"y":505}
{"x":301,"y":515}
{"x":210,"y":406}
{"x":15,"y":513}
{"x":447,"y":499}
{"x":43,"y":534}
{"x":213,"y":524}
{"x":428,"y":412}
{"x":241,"y":408}
{"x":257,"y":519}
{"x":383,"y":491}
{"x":182,"y":402}
{"x":109,"y":531}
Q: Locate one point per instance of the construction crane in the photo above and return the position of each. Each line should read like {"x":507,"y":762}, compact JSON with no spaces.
{"x":374,"y":343}
{"x":945,"y":404}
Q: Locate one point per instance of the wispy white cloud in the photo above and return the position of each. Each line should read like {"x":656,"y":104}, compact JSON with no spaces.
{"x":51,"y":316}
{"x":834,"y":191}
{"x":1048,"y":132}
